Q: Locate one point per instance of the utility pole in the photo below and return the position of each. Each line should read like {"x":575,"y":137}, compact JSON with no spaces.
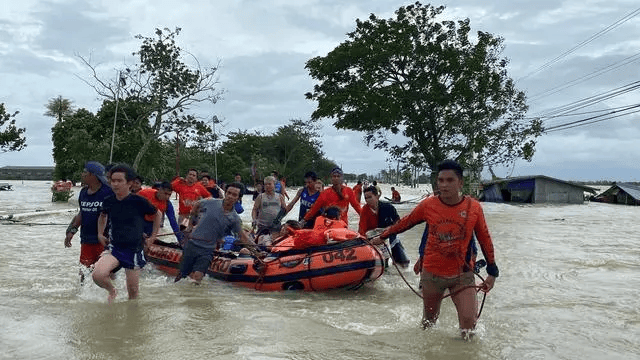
{"x":177,"y":153}
{"x":119,"y":80}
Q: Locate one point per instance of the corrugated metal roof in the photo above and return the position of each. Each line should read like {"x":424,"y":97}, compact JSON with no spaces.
{"x":519,"y":178}
{"x":632,"y":190}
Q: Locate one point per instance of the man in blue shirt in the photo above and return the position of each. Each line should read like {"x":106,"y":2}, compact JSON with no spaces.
{"x":91,"y":196}
{"x":126,"y":215}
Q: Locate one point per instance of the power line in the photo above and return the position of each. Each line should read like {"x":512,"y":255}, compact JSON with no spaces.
{"x":609,"y":28}
{"x":604,"y":70}
{"x":589,"y":101}
{"x":594,"y":119}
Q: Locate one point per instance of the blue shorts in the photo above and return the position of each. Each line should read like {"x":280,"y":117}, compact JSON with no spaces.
{"x":128,"y":259}
{"x":195,"y":258}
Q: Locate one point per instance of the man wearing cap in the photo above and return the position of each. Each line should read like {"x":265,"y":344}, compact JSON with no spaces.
{"x":338,"y":195}
{"x":95,"y":190}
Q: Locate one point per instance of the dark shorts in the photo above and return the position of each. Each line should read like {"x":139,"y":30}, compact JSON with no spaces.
{"x":195,"y":258}
{"x":431,"y":281}
{"x":128,"y":259}
{"x":90,"y":253}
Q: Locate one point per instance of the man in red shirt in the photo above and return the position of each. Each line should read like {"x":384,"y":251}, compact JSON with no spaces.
{"x":452,"y":219}
{"x":338,"y":195}
{"x":357,"y":190}
{"x":189,"y":191}
{"x":395,"y":195}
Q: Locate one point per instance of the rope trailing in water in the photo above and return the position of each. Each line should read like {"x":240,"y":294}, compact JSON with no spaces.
{"x":477,"y":287}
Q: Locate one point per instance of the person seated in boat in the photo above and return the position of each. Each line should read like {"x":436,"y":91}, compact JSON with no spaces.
{"x":159,"y":196}
{"x":267,"y":239}
{"x":338,"y":195}
{"x":216,"y":219}
{"x":269,"y":208}
{"x":330,"y":219}
{"x":395,"y":195}
{"x":307,"y":195}
{"x":377,"y":214}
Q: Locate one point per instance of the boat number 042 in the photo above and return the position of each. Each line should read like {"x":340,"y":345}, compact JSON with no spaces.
{"x":340,"y":255}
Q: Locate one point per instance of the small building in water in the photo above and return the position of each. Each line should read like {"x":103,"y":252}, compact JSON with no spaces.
{"x":620,"y":193}
{"x":534,"y":189}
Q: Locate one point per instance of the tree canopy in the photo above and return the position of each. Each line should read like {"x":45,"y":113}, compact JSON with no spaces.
{"x":11,"y":137}
{"x":59,"y":108}
{"x":165,"y":84}
{"x":448,"y":95}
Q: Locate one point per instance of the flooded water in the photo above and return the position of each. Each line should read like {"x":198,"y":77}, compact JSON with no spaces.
{"x":568,"y":290}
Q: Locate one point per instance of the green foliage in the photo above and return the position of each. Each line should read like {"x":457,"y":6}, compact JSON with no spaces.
{"x":59,"y":108}
{"x":61,"y":196}
{"x":166,"y":86}
{"x":426,"y":80}
{"x":292,"y":150}
{"x":84,"y":136}
{"x":11,"y":137}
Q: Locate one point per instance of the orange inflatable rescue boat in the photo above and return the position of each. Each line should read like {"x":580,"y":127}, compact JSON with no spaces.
{"x":309,"y":260}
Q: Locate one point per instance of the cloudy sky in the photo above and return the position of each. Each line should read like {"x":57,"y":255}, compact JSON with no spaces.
{"x":561,"y":53}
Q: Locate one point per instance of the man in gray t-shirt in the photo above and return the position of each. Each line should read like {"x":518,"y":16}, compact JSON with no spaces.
{"x":216,"y":218}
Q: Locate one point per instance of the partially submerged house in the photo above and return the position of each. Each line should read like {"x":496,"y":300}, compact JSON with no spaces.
{"x":620,"y":193}
{"x":534,"y":189}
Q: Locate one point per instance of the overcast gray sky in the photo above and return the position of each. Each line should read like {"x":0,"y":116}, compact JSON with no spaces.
{"x":263,"y":46}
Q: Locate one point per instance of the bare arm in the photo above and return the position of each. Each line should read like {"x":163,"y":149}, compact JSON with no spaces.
{"x":102,"y":224}
{"x":293,"y":202}
{"x":256,"y":206}
{"x":157,"y":220}
{"x":73,"y":228}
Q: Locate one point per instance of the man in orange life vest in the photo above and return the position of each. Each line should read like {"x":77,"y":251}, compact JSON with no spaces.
{"x":159,"y":197}
{"x":452,"y":219}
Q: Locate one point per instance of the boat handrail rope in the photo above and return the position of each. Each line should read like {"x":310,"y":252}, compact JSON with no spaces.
{"x":477,"y":287}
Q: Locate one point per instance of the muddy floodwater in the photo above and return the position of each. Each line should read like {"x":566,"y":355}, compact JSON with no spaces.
{"x":568,"y":289}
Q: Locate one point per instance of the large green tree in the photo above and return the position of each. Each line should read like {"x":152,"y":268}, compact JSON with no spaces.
{"x":166,"y":84}
{"x":449,"y":95}
{"x":59,"y":108}
{"x":85,"y":136}
{"x":11,"y":137}
{"x":292,"y":150}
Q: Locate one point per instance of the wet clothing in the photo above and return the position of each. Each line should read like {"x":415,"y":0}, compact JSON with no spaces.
{"x":450,"y":233}
{"x":330,"y":197}
{"x":165,"y":207}
{"x":188,"y":194}
{"x":306,"y":201}
{"x":90,"y":253}
{"x":213,"y":224}
{"x":89,"y":211}
{"x":386,"y":216}
{"x":472,"y":252}
{"x":126,"y":220}
{"x":127,"y":258}
{"x":271,"y":205}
